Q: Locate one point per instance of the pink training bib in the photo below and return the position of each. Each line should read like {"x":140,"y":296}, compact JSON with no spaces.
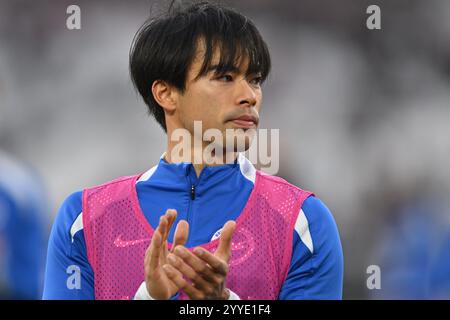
{"x":117,"y":235}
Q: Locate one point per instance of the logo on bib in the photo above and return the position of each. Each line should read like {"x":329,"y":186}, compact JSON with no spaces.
{"x":120,"y":243}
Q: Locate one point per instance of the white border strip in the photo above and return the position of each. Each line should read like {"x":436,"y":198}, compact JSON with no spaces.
{"x":302,"y":228}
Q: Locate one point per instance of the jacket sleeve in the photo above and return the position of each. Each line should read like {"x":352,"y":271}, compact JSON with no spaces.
{"x":316,"y":270}
{"x":68,"y":274}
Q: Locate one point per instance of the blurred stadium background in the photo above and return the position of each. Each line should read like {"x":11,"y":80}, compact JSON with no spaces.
{"x":364,"y":117}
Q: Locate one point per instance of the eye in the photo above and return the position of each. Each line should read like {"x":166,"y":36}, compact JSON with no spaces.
{"x":256,"y":80}
{"x":226,"y":78}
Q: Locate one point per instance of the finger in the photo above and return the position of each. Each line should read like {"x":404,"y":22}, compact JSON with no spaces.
{"x":163,"y":227}
{"x":163,"y":222}
{"x":155,"y":250}
{"x":177,"y":278}
{"x":218,"y":265}
{"x":171,"y":215}
{"x":198,"y":265}
{"x":181,"y":234}
{"x":189,"y":273}
{"x":224,"y":249}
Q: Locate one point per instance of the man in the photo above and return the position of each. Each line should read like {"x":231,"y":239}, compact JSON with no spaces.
{"x":239,"y":234}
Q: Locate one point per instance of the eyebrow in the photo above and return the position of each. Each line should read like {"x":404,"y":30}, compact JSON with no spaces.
{"x":232,"y":69}
{"x":216,"y":69}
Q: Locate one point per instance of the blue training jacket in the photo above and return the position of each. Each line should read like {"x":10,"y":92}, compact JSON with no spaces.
{"x":207,"y":202}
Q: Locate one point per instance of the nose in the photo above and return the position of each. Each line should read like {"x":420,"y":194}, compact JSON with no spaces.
{"x":246,"y":94}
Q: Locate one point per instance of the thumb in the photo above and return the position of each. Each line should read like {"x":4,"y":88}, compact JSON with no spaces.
{"x":224,"y":249}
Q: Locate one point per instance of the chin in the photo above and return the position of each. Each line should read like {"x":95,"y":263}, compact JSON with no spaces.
{"x":240,"y":144}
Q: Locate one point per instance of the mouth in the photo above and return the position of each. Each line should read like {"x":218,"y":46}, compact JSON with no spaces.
{"x":246,"y":121}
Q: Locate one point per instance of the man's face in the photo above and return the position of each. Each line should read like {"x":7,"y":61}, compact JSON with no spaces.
{"x":226,"y":101}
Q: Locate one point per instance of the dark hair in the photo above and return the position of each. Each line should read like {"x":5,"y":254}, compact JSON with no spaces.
{"x":165,"y":47}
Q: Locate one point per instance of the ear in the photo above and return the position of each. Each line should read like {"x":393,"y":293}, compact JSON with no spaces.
{"x":165,"y":94}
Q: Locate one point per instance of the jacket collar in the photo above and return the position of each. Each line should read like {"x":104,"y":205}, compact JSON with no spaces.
{"x":185,"y":170}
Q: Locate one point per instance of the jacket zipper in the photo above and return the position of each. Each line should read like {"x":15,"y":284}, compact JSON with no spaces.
{"x":192,"y":195}
{"x":192,"y":192}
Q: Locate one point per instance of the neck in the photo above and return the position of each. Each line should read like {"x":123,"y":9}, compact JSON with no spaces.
{"x":194,"y":154}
